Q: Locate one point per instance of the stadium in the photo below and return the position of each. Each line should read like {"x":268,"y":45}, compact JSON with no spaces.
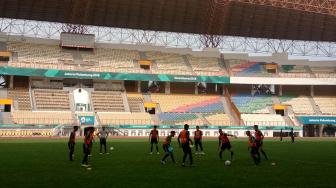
{"x":129,"y":66}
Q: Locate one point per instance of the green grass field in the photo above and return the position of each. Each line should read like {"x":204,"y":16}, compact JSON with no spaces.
{"x":44,"y":163}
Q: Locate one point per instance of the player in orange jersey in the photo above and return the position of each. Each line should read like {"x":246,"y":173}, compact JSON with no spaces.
{"x":167,"y":148}
{"x":252,"y":145}
{"x":259,"y":137}
{"x":185,"y":141}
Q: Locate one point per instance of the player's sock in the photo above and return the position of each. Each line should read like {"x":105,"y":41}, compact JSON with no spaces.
{"x":258,"y":155}
{"x":256,"y":160}
{"x":184,"y":158}
{"x":231,"y":155}
{"x":164,"y":157}
{"x":264,"y":154}
{"x":190,"y":158}
{"x":172,"y":157}
{"x":157,"y":149}
{"x":151,"y":148}
{"x":221,"y":154}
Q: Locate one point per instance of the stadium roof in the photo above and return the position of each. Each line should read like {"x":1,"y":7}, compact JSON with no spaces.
{"x":311,"y":20}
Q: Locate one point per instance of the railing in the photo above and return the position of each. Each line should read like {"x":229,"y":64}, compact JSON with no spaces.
{"x":325,"y":75}
{"x":116,"y":122}
{"x":111,"y":69}
{"x":105,"y":121}
{"x":233,"y":106}
{"x":266,"y":123}
{"x":44,"y":121}
{"x":295,"y":75}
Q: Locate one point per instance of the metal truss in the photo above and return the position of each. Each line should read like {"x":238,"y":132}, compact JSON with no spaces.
{"x":48,"y":30}
{"x":315,"y":6}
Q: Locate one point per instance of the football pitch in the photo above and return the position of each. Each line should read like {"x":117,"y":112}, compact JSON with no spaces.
{"x":44,"y":163}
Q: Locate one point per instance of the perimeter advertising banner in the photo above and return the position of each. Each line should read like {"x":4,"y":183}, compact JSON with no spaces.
{"x":209,"y":127}
{"x":6,"y":70}
{"x":315,"y":120}
{"x":86,"y":120}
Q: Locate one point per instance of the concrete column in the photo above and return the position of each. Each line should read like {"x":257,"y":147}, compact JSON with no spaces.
{"x":196,"y":89}
{"x":312,"y":91}
{"x":167,"y":88}
{"x":280,"y":90}
{"x":139,"y":86}
{"x":11,"y":82}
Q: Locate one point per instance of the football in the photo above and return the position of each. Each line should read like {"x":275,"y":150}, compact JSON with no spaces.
{"x":111,"y":148}
{"x":227,"y":163}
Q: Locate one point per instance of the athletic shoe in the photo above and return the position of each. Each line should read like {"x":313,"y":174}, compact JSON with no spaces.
{"x":90,"y":155}
{"x":162,"y":162}
{"x":107,"y":153}
{"x":183,"y":165}
{"x":150,"y":153}
{"x":84,"y":165}
{"x":158,"y":153}
{"x":100,"y":153}
{"x":202,"y":153}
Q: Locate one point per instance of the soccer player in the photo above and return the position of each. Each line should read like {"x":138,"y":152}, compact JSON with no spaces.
{"x":292,"y":135}
{"x":252,"y":146}
{"x":167,"y":148}
{"x":224,"y":143}
{"x":154,"y":139}
{"x":71,"y":142}
{"x":185,"y":141}
{"x":92,"y":138}
{"x":102,"y":135}
{"x":198,"y":140}
{"x":259,"y":137}
{"x":86,"y":147}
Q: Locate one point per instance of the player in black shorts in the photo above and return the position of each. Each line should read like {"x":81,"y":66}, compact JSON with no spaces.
{"x":71,"y":143}
{"x":224,"y":143}
{"x":259,"y":138}
{"x":292,"y":135}
{"x":252,"y":146}
{"x":185,"y":142}
{"x":198,"y":134}
{"x":154,"y":139}
{"x":167,"y":148}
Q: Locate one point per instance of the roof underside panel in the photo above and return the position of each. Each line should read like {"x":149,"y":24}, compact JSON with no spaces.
{"x":185,"y":16}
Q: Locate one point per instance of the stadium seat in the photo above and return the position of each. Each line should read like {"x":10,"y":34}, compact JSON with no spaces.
{"x":245,"y":68}
{"x":51,"y":99}
{"x":300,"y":104}
{"x":135,"y":102}
{"x":43,"y":118}
{"x":108,"y":118}
{"x":22,"y":97}
{"x":263,"y":120}
{"x":327,"y":104}
{"x":107,"y":101}
{"x":180,"y":119}
{"x":252,"y":104}
{"x":188,"y":103}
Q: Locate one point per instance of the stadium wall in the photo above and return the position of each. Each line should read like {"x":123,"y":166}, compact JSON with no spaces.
{"x":282,"y":81}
